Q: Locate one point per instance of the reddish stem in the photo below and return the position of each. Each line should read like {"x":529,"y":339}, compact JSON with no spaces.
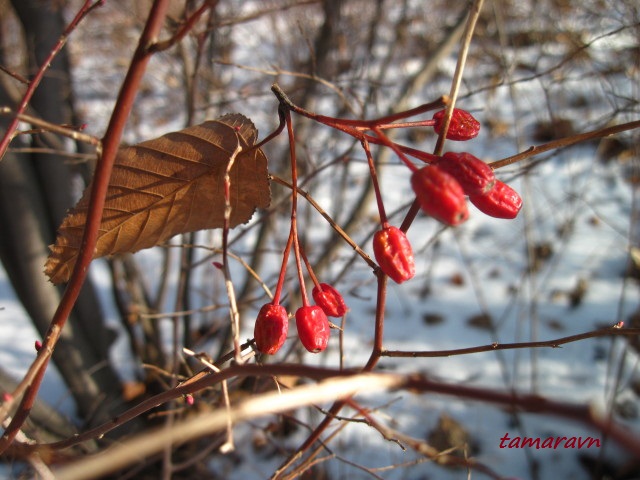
{"x":388,"y":143}
{"x":294,"y":206}
{"x":360,"y":124}
{"x":376,"y":186}
{"x":283,"y":270}
{"x":314,"y":279}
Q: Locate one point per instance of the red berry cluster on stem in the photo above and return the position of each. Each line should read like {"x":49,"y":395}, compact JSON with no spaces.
{"x":312,"y":324}
{"x":441,"y":188}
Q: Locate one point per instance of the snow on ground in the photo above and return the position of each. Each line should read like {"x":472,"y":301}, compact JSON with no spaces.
{"x":573,"y":202}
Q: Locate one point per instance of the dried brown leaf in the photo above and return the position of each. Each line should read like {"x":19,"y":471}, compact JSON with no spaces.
{"x":169,"y":185}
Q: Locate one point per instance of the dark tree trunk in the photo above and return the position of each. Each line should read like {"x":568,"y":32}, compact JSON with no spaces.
{"x":35,"y":193}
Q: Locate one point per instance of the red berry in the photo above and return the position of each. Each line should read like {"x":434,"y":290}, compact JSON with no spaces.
{"x":463,"y":125}
{"x":313,"y":328}
{"x":394,"y":254}
{"x":440,"y":195}
{"x":501,"y":201}
{"x":329,"y":299}
{"x":474,"y":176}
{"x":271,"y":328}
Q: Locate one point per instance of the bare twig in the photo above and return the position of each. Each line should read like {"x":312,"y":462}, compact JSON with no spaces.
{"x":233,"y":307}
{"x":603,"y":332}
{"x":185,"y":28}
{"x":343,"y":386}
{"x":457,"y":76}
{"x":330,"y":220}
{"x":228,"y":445}
{"x":565,"y":142}
{"x":86,"y":8}
{"x":51,"y":127}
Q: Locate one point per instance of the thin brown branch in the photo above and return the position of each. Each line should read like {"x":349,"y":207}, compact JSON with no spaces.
{"x":565,"y":142}
{"x":51,"y":127}
{"x":337,"y":384}
{"x":185,"y":28}
{"x":15,"y":75}
{"x":86,"y":8}
{"x":470,"y":26}
{"x":422,"y":447}
{"x":604,"y":332}
{"x":328,"y":218}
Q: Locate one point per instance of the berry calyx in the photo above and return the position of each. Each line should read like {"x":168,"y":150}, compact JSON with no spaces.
{"x":440,"y":195}
{"x":329,"y":299}
{"x":313,"y":328}
{"x":394,"y":254}
{"x":501,"y":201}
{"x":463,"y":125}
{"x":271,"y":328}
{"x":474,"y":176}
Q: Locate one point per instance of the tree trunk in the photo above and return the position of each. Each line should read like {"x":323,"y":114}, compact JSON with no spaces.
{"x":35,"y":193}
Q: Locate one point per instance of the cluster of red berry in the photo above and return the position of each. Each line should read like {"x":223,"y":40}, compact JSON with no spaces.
{"x":272,"y":324}
{"x":441,"y":188}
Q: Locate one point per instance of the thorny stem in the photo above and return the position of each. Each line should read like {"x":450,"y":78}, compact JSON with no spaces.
{"x":31,"y":382}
